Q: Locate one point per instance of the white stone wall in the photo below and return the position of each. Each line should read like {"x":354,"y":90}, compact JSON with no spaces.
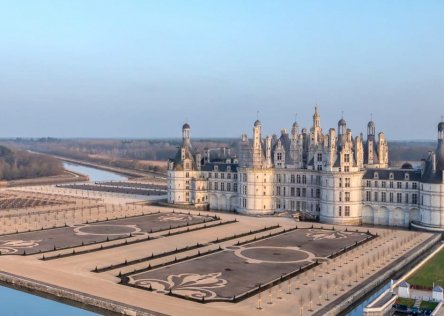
{"x":432,"y":205}
{"x":334,"y":198}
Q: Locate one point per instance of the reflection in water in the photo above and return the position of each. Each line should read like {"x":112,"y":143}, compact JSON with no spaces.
{"x":359,"y":310}
{"x":94,"y":174}
{"x":17,"y":303}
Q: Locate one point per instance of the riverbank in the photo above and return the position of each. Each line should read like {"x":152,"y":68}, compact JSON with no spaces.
{"x":68,"y":176}
{"x":123,"y":171}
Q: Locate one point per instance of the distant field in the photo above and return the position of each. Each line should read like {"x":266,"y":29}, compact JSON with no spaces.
{"x":432,"y":271}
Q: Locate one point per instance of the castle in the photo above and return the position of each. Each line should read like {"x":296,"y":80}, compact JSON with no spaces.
{"x":329,"y":176}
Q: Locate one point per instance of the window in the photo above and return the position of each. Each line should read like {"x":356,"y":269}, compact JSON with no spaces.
{"x":391,"y":197}
{"x":210,"y":185}
{"x":319,"y":157}
{"x":298,"y":179}
{"x":347,"y":211}
{"x":244,"y":177}
{"x":228,"y":175}
{"x":383,"y":184}
{"x":406,"y":185}
{"x":216,"y":175}
{"x":222,"y":175}
{"x":375,"y":197}
{"x":279,"y":178}
{"x":298,"y":191}
{"x":340,"y":211}
{"x":209,"y":175}
{"x":376,"y":184}
{"x":414,"y":185}
{"x":340,"y":196}
{"x":369,"y":184}
{"x":414,"y":198}
{"x":340,"y":182}
{"x":319,"y":167}
{"x":279,"y":156}
{"x":228,"y":186}
{"x":304,"y":192}
{"x":406,"y":198}
{"x":383,"y":197}
{"x":222,"y":186}
{"x":399,"y":197}
{"x":376,"y":175}
{"x":347,"y":182}
{"x":304,"y":179}
{"x":346,"y":169}
{"x":278,"y":190}
{"x":406,"y":176}
{"x":216,"y":186}
{"x":292,"y":178}
{"x":347,"y":158}
{"x":399,"y":185}
{"x":391,"y":176}
{"x":187,"y":175}
{"x":347,"y":196}
{"x":318,"y":193}
{"x":235,"y":187}
{"x":291,"y":191}
{"x":367,"y":196}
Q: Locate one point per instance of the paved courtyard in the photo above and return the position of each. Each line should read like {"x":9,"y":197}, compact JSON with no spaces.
{"x":237,"y":270}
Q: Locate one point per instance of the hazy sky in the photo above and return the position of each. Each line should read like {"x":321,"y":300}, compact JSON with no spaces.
{"x":141,"y":68}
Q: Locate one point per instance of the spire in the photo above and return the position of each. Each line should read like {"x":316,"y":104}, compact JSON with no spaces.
{"x":316,"y":118}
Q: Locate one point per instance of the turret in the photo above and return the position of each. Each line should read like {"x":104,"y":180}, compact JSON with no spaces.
{"x":186,"y":135}
{"x":371,"y":130}
{"x":257,"y":144}
{"x":316,"y":118}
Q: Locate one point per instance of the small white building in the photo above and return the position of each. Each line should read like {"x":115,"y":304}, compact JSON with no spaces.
{"x":438,"y":293}
{"x":404,"y":290}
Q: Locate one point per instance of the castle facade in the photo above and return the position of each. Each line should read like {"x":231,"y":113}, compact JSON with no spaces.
{"x":332,"y":176}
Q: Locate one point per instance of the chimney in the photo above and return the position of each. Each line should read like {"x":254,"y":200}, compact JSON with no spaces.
{"x":433,"y":157}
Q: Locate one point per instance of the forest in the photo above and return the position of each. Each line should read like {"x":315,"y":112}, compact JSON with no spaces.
{"x":20,"y":164}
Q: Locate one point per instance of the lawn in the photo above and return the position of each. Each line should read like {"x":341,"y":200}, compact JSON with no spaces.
{"x":428,"y":305}
{"x":409,"y":302}
{"x":431,"y":272}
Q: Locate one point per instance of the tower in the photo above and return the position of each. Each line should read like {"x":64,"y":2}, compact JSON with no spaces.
{"x":186,"y":135}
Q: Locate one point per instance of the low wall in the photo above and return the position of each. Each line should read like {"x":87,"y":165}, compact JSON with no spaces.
{"x":60,"y":293}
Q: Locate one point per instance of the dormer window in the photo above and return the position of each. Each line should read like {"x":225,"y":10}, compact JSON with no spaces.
{"x":391,"y":176}
{"x":406,"y":177}
{"x":279,"y":156}
{"x":375,"y":175}
{"x":216,"y":168}
{"x":228,"y":168}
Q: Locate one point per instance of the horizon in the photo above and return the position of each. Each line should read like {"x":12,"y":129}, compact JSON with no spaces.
{"x":140,"y":69}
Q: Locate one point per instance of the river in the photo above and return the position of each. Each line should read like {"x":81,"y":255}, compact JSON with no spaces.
{"x":18,"y":303}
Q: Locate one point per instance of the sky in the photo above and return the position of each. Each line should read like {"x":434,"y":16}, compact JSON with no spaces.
{"x":140,"y":69}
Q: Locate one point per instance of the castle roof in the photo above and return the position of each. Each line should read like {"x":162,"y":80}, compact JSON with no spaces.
{"x":398,"y":174}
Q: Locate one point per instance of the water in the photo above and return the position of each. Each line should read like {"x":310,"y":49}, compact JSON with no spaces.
{"x":94,"y":174}
{"x":359,"y":309}
{"x":17,"y":303}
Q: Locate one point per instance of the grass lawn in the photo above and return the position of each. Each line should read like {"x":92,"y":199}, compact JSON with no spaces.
{"x":428,"y":305}
{"x":431,"y":271}
{"x":409,"y":302}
